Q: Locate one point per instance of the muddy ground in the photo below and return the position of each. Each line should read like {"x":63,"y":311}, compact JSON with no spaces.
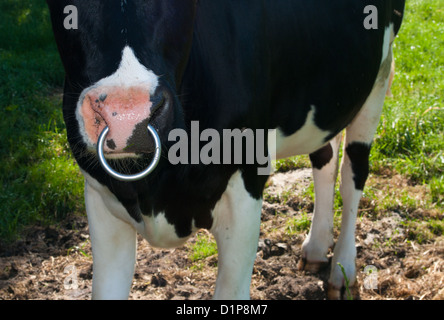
{"x":45,"y":262}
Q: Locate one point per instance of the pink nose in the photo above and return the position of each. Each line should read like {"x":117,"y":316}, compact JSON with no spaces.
{"x":121,"y":109}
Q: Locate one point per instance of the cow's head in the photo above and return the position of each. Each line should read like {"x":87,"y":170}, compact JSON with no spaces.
{"x":123,"y":61}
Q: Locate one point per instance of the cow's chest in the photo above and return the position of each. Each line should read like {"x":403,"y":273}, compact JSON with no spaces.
{"x":156,"y":229}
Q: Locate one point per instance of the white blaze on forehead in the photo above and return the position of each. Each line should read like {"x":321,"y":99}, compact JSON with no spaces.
{"x":130,"y":73}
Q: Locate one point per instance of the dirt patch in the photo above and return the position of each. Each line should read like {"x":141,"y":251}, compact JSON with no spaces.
{"x":56,"y":263}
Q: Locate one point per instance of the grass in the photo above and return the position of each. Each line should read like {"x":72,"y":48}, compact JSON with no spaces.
{"x":292,"y":163}
{"x":410,"y":136}
{"x":347,"y":286}
{"x":298,"y":224}
{"x":40,"y":180}
{"x":204,"y":247}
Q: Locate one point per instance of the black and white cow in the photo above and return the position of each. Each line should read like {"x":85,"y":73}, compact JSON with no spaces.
{"x":308,"y":69}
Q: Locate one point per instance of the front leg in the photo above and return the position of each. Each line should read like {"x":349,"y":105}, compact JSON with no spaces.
{"x":236,"y":227}
{"x":114,"y":248}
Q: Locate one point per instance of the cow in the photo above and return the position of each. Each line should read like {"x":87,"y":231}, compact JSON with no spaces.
{"x":137,"y":70}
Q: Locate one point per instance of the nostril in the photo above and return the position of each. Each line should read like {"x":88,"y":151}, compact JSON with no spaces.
{"x":103,"y":96}
{"x":98,"y":119}
{"x":111,"y":144}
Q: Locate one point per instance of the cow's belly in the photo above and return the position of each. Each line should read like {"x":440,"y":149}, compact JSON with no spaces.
{"x":307,"y":139}
{"x":159,"y":232}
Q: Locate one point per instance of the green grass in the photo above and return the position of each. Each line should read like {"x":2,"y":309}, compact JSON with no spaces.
{"x":299,"y":224}
{"x":292,"y":163}
{"x":347,"y":283}
{"x":40,"y":181}
{"x":204,"y":247}
{"x":410,"y":136}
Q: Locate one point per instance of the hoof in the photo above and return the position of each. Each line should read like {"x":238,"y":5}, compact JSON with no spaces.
{"x":312,"y":266}
{"x":342,"y":293}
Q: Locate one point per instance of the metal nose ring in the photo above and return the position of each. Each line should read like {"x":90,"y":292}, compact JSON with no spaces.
{"x":124,"y":177}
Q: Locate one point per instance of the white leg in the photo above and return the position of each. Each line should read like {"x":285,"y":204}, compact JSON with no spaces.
{"x":354,"y":172}
{"x":320,"y":237}
{"x":236,"y":229}
{"x":114,"y":249}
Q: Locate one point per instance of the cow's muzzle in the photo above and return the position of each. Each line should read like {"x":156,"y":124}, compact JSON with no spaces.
{"x":133,"y":177}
